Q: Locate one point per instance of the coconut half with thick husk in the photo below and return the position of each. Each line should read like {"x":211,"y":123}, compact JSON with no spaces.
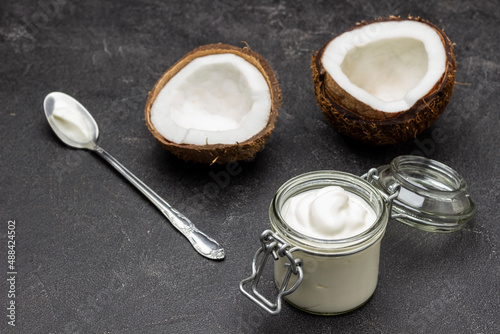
{"x":217,"y":104}
{"x":385,"y":81}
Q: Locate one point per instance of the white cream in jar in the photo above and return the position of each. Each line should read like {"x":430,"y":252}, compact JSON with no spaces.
{"x":331,"y":284}
{"x":341,"y":272}
{"x":328,"y":213}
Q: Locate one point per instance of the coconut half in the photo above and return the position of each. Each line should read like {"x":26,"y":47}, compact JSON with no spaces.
{"x":385,"y":81}
{"x":218,"y":103}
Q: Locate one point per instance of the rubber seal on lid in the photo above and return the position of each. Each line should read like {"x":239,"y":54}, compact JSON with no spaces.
{"x":432,"y":197}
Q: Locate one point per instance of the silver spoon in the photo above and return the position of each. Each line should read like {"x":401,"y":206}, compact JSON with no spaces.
{"x":74,"y":125}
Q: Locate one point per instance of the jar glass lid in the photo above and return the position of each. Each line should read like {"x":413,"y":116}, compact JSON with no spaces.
{"x":432,"y":196}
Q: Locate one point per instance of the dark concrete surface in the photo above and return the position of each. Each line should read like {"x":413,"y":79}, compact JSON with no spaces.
{"x":94,"y":256}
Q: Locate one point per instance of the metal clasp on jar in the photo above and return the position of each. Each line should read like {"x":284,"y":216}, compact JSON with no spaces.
{"x":272,"y":244}
{"x":394,"y":189}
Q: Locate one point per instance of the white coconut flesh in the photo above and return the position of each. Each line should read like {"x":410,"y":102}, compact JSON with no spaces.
{"x":214,"y":99}
{"x":387,"y":65}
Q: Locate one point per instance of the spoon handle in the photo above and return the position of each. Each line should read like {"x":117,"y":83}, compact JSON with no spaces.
{"x":203,"y":244}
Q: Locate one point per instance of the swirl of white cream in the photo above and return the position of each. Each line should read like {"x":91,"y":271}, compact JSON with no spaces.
{"x":328,"y":213}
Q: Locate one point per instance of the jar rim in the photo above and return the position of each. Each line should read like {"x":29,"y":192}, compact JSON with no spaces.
{"x":447,"y":182}
{"x":329,"y":247}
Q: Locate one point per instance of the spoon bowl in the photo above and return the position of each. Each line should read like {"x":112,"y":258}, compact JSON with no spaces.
{"x":76,"y":127}
{"x":57,"y":104}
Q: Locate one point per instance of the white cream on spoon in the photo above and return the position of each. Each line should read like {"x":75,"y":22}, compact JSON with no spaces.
{"x":72,"y":124}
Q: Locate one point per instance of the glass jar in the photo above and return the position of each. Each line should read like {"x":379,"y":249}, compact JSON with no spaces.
{"x":334,"y":276}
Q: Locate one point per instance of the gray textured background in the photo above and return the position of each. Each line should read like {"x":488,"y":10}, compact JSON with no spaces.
{"x":93,"y":256}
